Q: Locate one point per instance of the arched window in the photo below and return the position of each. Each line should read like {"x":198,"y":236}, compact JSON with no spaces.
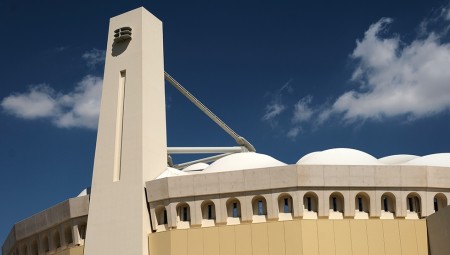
{"x":161,"y":215}
{"x":310,"y":205}
{"x":56,"y":240}
{"x":259,"y":207}
{"x":336,"y":206}
{"x":413,"y":205}
{"x":233,"y":211}
{"x":362,"y":206}
{"x":388,"y":206}
{"x":208,"y":210}
{"x":45,"y":245}
{"x":183,"y":216}
{"x":68,"y":235}
{"x":208,"y":213}
{"x":82,"y":230}
{"x":34,"y":247}
{"x":439,"y":202}
{"x":285,"y":207}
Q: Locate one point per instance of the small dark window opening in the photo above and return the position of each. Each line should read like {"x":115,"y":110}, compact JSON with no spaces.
{"x":308,"y":199}
{"x":185,"y":214}
{"x":436,"y":207}
{"x":385,"y":204}
{"x":260,"y":208}
{"x":210,"y":212}
{"x":411,"y":204}
{"x":286,"y":205}
{"x":235,"y":210}
{"x":360,"y":204}
{"x":165,"y":217}
{"x":334,"y":204}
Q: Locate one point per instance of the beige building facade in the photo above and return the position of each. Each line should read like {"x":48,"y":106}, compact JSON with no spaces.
{"x":338,"y":201}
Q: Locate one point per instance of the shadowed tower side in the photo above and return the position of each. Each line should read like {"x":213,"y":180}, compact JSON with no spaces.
{"x":131,"y":142}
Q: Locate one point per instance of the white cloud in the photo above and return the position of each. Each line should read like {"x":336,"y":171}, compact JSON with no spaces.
{"x":37,"y":103}
{"x":293,"y":133}
{"x":276,"y":106}
{"x":302,"y":110}
{"x":94,"y":57}
{"x":79,"y":108}
{"x":273,"y":109}
{"x":447,"y":17}
{"x":396,"y":78}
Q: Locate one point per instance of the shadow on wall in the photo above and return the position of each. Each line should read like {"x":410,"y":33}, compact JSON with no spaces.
{"x":119,"y":47}
{"x":438,"y":226}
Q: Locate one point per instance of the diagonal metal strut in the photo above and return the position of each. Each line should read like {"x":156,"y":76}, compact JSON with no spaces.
{"x":239,"y":139}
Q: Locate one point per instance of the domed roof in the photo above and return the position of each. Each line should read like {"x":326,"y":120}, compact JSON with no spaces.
{"x":397,"y":159}
{"x":169,"y":172}
{"x":196,"y":167}
{"x":242,"y":160}
{"x":307,"y":156}
{"x":438,"y":159}
{"x":339,"y":156}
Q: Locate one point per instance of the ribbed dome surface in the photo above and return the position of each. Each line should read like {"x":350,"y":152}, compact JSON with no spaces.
{"x":438,"y":159}
{"x":397,"y":159}
{"x":243,"y":160}
{"x":339,"y":156}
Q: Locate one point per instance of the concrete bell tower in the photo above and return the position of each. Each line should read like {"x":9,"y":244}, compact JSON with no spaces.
{"x":131,"y":142}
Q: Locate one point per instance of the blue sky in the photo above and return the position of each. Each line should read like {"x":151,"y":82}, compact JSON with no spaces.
{"x":291,"y":77}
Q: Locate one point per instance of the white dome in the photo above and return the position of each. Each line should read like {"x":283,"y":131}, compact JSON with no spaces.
{"x":439,"y":159}
{"x":170,"y":171}
{"x":307,"y":156}
{"x":397,"y":159}
{"x":243,"y":160}
{"x":339,"y":156}
{"x":196,"y":167}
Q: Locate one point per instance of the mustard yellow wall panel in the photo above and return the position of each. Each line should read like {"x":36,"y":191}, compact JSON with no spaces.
{"x":78,"y":250}
{"x":408,"y":240}
{"x":421,"y":236}
{"x":227,"y":241}
{"x":309,"y":237}
{"x":275,"y":233}
{"x":243,"y":237}
{"x":211,"y":241}
{"x":179,"y":245}
{"x":260,"y":239}
{"x":293,"y":237}
{"x":159,"y":243}
{"x":358,"y":233}
{"x":299,"y":237}
{"x":342,"y":238}
{"x":375,"y":237}
{"x":195,"y":241}
{"x":391,"y":237}
{"x":325,"y":234}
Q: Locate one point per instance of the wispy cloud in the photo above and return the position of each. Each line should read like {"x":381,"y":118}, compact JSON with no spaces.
{"x":302,"y":110}
{"x":276,"y":105}
{"x":392,"y":79}
{"x":61,"y":48}
{"x":302,"y":113}
{"x":78,"y":108}
{"x":293,"y":133}
{"x":396,"y":78}
{"x":94,"y":57}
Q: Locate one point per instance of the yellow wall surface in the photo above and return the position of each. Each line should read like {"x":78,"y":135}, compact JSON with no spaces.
{"x":308,"y":237}
{"x":75,"y":250}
